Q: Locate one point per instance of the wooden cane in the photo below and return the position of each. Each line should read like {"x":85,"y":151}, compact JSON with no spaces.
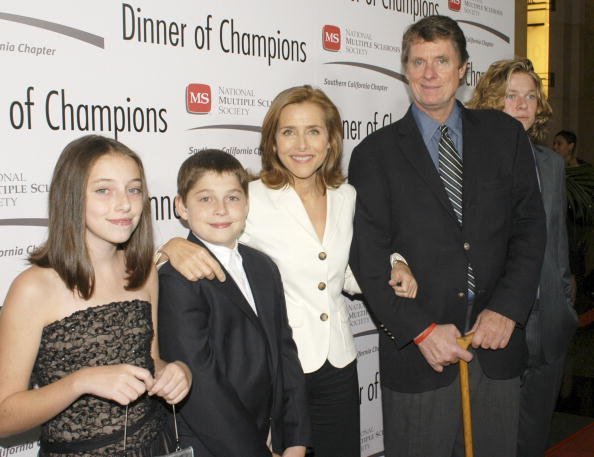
{"x":464,"y":342}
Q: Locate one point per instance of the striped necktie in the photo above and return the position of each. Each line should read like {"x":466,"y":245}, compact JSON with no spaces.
{"x":450,"y":170}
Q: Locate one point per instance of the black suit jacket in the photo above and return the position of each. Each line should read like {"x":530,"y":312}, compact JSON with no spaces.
{"x":246,"y":374}
{"x":402,"y":207}
{"x":553,"y":320}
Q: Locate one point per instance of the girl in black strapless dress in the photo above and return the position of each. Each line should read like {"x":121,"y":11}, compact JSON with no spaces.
{"x":78,"y":353}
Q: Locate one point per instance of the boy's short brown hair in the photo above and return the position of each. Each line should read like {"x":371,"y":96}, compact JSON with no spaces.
{"x":209,"y":160}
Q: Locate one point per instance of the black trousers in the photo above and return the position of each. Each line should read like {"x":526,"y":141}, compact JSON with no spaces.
{"x":333,"y":401}
{"x":538,"y":395}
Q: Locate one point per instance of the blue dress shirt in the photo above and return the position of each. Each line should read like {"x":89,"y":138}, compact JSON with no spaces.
{"x":430,"y":132}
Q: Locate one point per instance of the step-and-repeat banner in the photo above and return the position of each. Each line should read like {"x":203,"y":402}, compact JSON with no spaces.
{"x":172,"y":78}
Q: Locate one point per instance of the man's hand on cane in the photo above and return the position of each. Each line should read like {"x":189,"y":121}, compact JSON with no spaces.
{"x":440,"y":348}
{"x":491,"y":330}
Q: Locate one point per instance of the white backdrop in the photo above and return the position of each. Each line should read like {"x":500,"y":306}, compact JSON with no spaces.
{"x":171,"y":78}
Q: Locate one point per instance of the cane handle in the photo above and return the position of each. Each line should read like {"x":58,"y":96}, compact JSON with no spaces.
{"x":464,"y":341}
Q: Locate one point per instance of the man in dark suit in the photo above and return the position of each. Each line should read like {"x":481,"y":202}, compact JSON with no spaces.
{"x":552,"y":321}
{"x":455,"y":192}
{"x":513,"y":86}
{"x":234,"y":335}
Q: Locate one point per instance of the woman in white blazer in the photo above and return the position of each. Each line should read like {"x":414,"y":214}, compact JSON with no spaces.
{"x":301,"y":215}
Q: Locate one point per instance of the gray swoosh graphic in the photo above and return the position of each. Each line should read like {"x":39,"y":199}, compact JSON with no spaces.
{"x":247,"y":128}
{"x":30,"y":222}
{"x":382,"y":70}
{"x":77,"y":34}
{"x":488,"y":29}
{"x":367,"y":332}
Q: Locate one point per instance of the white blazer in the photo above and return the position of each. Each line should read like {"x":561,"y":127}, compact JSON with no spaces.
{"x":313,"y":272}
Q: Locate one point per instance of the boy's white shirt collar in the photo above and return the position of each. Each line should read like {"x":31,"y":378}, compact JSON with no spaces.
{"x":224,"y":255}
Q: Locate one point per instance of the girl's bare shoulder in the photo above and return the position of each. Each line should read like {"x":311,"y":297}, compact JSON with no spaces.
{"x":34,"y":289}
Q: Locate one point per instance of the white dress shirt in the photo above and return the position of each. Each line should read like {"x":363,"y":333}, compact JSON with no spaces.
{"x":231,"y":260}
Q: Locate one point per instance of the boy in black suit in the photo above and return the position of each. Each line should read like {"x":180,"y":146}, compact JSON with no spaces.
{"x":249,"y":391}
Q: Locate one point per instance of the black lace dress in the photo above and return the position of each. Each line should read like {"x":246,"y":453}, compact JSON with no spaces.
{"x":119,"y":332}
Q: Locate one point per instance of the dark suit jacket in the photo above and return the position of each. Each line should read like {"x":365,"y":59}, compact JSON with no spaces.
{"x":402,"y":207}
{"x":246,"y":373}
{"x":553,"y":320}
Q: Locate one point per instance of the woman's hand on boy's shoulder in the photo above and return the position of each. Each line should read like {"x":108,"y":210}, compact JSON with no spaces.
{"x":192,"y":261}
{"x":172,"y":382}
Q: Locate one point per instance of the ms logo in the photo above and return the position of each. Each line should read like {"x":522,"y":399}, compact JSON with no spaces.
{"x":454,"y":5}
{"x":331,"y":38}
{"x":198,"y":98}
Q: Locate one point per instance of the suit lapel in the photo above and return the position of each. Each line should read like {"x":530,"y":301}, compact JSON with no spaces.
{"x":335,"y":204}
{"x":543,"y":165}
{"x":287,"y":200}
{"x":414,"y":149}
{"x":259,"y":283}
{"x":229,"y":288}
{"x":473,"y":149}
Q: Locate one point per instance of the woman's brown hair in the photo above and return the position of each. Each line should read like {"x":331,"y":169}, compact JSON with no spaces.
{"x":65,"y":249}
{"x":274,"y":174}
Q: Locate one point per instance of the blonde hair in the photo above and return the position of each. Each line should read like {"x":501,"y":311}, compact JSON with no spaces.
{"x":492,"y":87}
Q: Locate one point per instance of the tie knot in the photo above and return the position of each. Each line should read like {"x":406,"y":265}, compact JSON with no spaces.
{"x":443,"y":129}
